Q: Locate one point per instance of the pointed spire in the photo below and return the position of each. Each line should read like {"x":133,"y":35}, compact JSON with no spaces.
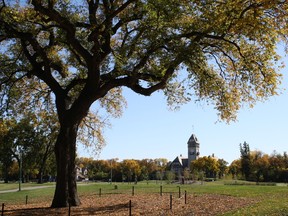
{"x":193,"y":141}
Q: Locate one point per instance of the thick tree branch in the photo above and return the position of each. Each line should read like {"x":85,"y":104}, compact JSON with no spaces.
{"x":92,"y":7}
{"x":40,"y":73}
{"x":66,"y":25}
{"x":132,"y":82}
{"x":74,"y":83}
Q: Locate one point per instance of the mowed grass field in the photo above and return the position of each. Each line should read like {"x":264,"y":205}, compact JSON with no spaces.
{"x":267,"y":200}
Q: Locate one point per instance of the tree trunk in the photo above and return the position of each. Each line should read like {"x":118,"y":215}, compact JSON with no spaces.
{"x":5,"y":173}
{"x":43,"y":164}
{"x":40,"y":177}
{"x":65,"y":151}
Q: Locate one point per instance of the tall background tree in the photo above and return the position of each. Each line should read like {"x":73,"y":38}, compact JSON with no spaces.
{"x":131,"y":169}
{"x":259,"y":165}
{"x":32,"y":136}
{"x":235,"y":169}
{"x":74,"y":53}
{"x":6,"y":155}
{"x":245,"y":160}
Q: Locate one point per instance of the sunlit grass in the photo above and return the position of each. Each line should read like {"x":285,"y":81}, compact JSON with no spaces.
{"x":269,"y":204}
{"x":15,"y":185}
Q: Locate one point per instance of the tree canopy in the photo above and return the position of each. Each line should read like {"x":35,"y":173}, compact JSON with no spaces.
{"x":65,"y":55}
{"x":79,"y":49}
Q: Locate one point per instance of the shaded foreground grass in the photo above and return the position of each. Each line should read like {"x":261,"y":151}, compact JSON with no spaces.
{"x":267,"y":200}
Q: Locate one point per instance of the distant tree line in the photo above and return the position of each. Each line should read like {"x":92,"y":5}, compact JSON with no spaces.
{"x":260,"y":167}
{"x":251,"y":166}
{"x":128,"y":170}
{"x":159,"y":169}
{"x":22,"y":142}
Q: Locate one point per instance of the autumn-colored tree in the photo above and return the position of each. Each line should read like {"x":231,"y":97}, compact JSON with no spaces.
{"x":223,"y":169}
{"x":263,"y":167}
{"x":259,"y":165}
{"x":75,"y":53}
{"x":112,"y":166}
{"x":208,"y":165}
{"x":131,"y":169}
{"x":98,"y":169}
{"x":161,"y":167}
{"x":235,"y":168}
{"x":276,"y":165}
{"x":148,"y":168}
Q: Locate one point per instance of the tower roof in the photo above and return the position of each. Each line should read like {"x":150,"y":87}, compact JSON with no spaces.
{"x":193,"y":141}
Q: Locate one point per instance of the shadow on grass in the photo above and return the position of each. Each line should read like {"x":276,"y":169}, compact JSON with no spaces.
{"x":65,"y":211}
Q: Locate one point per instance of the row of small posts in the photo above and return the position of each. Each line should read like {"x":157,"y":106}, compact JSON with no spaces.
{"x":3,"y":205}
{"x":171,"y":201}
{"x":185,"y":198}
{"x":130,"y":203}
{"x":161,"y":193}
{"x":179,"y":191}
{"x":133,"y":191}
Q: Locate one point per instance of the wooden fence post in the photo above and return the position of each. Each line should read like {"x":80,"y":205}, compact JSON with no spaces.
{"x":69,"y":209}
{"x":132,"y":190}
{"x":130,"y":208}
{"x":170,"y":201}
{"x":2,"y":212}
{"x":26,"y":199}
{"x":179,"y":191}
{"x":185,"y":197}
{"x":99,"y":192}
{"x":160,"y":190}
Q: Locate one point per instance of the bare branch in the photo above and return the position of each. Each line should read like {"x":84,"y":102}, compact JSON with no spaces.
{"x":92,"y":11}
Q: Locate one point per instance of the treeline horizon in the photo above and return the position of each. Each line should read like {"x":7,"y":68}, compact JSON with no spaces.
{"x":251,"y":166}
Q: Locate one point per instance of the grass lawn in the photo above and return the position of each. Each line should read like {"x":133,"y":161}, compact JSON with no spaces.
{"x":15,"y":186}
{"x":270,"y":200}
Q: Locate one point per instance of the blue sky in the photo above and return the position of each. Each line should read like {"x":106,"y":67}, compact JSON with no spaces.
{"x":148,"y":129}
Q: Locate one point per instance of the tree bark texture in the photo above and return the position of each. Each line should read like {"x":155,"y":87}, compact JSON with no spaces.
{"x":65,"y":151}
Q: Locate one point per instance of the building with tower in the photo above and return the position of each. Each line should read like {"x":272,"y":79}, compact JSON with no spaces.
{"x":193,"y":148}
{"x":180,"y":163}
